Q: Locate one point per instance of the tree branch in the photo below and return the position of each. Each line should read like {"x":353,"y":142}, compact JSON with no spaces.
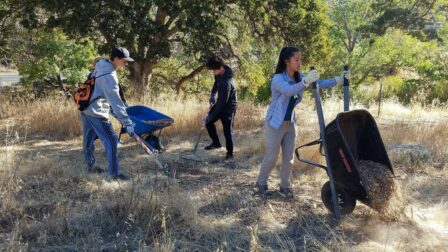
{"x":161,"y":15}
{"x":364,"y":76}
{"x":171,"y":32}
{"x":188,"y":77}
{"x":161,"y":76}
{"x":171,"y":21}
{"x":231,"y":47}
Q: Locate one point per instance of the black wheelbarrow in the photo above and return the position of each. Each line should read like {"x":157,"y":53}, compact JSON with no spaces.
{"x":346,"y":142}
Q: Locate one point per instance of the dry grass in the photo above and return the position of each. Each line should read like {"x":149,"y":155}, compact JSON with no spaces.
{"x":7,"y":70}
{"x":189,"y":115}
{"x":58,"y":118}
{"x":46,"y":118}
{"x":48,"y":202}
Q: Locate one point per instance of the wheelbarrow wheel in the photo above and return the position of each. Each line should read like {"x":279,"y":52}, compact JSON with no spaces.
{"x":154,"y":141}
{"x":346,"y":200}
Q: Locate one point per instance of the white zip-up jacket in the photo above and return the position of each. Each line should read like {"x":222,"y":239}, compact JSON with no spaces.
{"x":282,"y":89}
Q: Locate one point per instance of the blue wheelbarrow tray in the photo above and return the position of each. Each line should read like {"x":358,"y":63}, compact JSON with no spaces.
{"x":147,"y":120}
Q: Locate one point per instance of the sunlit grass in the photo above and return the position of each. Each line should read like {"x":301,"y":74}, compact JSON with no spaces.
{"x":48,"y":201}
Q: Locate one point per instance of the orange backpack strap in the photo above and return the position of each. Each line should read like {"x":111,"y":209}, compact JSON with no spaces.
{"x":83,"y":94}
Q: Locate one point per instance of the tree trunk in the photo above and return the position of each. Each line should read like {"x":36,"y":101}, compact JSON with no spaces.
{"x":141,"y":73}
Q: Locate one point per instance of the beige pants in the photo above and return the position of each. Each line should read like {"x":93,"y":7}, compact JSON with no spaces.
{"x":284,"y":137}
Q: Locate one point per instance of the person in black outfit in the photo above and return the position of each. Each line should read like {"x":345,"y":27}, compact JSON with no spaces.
{"x":225,"y":107}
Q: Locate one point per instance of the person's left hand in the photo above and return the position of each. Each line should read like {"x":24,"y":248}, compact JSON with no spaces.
{"x":340,"y":79}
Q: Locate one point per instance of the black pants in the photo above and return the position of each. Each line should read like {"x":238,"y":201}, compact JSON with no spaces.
{"x":227,"y":125}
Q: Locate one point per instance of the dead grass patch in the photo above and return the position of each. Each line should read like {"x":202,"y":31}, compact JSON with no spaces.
{"x":49,"y":203}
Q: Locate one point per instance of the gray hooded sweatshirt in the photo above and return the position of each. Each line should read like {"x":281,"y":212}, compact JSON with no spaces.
{"x":106,"y":94}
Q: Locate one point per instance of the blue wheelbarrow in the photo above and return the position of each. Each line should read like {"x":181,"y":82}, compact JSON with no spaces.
{"x":147,"y":123}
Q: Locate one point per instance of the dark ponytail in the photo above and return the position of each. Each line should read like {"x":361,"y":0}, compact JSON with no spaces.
{"x":285,"y":54}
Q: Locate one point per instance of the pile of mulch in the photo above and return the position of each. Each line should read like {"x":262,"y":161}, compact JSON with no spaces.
{"x":378,"y":182}
{"x":160,"y":122}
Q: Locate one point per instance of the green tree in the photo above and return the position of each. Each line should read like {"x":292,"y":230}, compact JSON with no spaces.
{"x":443,"y":35}
{"x":56,"y":60}
{"x":357,"y":24}
{"x":151,"y":29}
{"x":350,"y":44}
{"x":294,"y":23}
{"x":9,"y":10}
{"x":259,"y":29}
{"x":400,"y":14}
{"x":154,"y":30}
{"x":409,"y":68}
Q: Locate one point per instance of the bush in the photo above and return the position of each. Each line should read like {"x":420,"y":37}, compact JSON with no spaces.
{"x":440,"y":91}
{"x":405,"y":90}
{"x":54,"y":55}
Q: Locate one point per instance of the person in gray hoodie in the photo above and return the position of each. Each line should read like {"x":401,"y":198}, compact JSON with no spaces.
{"x":95,"y":118}
{"x":287,"y":88}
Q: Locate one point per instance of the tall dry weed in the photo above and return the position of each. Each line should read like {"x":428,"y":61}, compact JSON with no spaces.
{"x":54,"y":118}
{"x":49,"y":204}
{"x":189,"y":115}
{"x":57,"y":118}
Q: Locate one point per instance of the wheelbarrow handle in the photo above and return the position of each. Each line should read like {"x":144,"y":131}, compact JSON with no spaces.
{"x":139,"y":140}
{"x":309,"y":161}
{"x":346,"y":92}
{"x":318,"y":141}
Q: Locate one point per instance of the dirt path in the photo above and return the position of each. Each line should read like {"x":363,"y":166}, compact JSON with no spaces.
{"x":210,"y":205}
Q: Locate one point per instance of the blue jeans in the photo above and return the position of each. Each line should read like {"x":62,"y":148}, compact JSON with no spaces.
{"x":101,"y":127}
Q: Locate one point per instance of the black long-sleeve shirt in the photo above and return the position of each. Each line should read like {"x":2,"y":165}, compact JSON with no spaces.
{"x":227,"y":99}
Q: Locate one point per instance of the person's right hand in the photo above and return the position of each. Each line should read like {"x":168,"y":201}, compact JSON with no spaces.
{"x":130,"y":130}
{"x":311,"y":77}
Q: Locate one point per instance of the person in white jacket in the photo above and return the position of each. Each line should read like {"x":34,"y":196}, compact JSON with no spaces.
{"x":287,"y":87}
{"x":95,"y":118}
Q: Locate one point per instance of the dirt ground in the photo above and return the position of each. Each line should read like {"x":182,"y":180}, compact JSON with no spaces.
{"x":50,"y":203}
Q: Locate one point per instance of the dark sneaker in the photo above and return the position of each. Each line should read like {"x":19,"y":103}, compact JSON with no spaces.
{"x":213,"y":146}
{"x":97,"y":170}
{"x":286,"y":193}
{"x":229,"y":156}
{"x":121,"y":177}
{"x":262,"y":189}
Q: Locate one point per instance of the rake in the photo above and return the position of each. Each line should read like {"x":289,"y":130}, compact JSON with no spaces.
{"x":192,"y":156}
